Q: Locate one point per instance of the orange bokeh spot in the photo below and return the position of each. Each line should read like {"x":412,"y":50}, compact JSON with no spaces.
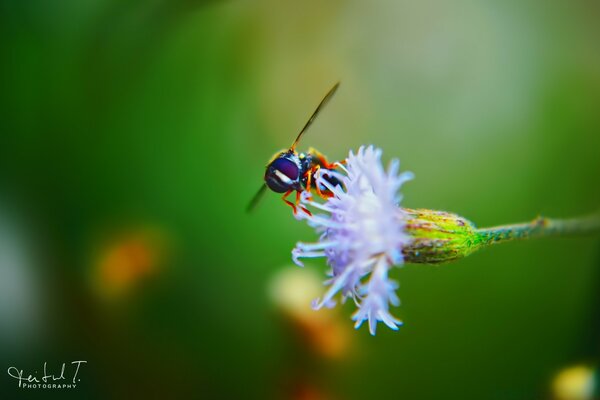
{"x":322,"y":332}
{"x":127,"y":262}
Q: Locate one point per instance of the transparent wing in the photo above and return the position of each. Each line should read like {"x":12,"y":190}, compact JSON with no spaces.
{"x":314,"y":114}
{"x":256,"y":198}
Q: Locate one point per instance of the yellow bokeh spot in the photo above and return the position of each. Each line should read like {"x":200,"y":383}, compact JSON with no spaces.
{"x":574,"y":383}
{"x":323,"y":331}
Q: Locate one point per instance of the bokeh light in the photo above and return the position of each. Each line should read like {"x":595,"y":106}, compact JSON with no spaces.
{"x":126,"y":261}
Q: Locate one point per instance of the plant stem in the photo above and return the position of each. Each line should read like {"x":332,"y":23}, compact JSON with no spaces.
{"x":440,"y":237}
{"x":540,"y":227}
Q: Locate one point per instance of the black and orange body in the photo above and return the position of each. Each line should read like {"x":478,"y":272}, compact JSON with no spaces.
{"x":290,"y":171}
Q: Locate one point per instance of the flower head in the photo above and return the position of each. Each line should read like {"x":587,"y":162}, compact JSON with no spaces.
{"x":362,"y":234}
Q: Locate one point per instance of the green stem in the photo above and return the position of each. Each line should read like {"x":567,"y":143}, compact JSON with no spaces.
{"x":440,"y":237}
{"x":540,"y":227}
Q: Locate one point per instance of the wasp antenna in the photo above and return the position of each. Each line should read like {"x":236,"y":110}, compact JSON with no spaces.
{"x":315,"y":113}
{"x":256,"y":198}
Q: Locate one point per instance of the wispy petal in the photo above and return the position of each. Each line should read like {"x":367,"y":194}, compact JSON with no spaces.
{"x":360,"y":234}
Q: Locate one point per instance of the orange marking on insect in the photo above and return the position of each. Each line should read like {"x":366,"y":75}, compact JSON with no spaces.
{"x":289,"y":203}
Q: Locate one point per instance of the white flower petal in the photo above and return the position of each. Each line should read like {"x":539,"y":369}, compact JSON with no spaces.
{"x":361,"y":233}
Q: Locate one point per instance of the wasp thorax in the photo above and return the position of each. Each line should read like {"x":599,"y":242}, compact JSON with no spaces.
{"x":282,"y":174}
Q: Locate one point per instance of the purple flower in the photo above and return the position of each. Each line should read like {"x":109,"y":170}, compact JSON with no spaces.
{"x":361,"y":235}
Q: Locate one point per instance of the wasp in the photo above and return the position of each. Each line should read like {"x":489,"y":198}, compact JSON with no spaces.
{"x":289,"y":171}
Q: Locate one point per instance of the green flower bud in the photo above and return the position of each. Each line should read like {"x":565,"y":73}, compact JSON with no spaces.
{"x":438,"y":236}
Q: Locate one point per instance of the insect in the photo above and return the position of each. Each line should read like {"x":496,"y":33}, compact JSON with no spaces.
{"x":289,"y":171}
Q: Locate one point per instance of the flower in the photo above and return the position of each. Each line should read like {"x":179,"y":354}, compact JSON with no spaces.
{"x":362,"y":234}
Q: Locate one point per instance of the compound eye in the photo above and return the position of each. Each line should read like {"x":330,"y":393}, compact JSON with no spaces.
{"x":287,"y":168}
{"x":282,"y":175}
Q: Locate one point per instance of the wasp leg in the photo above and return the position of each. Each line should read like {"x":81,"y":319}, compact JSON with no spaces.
{"x":309,"y":183}
{"x":322,"y":195}
{"x":298,"y":194}
{"x":289,"y":203}
{"x":317,"y":188}
{"x":296,"y":204}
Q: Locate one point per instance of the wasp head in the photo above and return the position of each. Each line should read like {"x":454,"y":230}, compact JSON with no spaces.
{"x":283,"y":172}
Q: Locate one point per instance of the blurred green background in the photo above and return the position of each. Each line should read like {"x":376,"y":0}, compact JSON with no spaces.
{"x":133,"y":134}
